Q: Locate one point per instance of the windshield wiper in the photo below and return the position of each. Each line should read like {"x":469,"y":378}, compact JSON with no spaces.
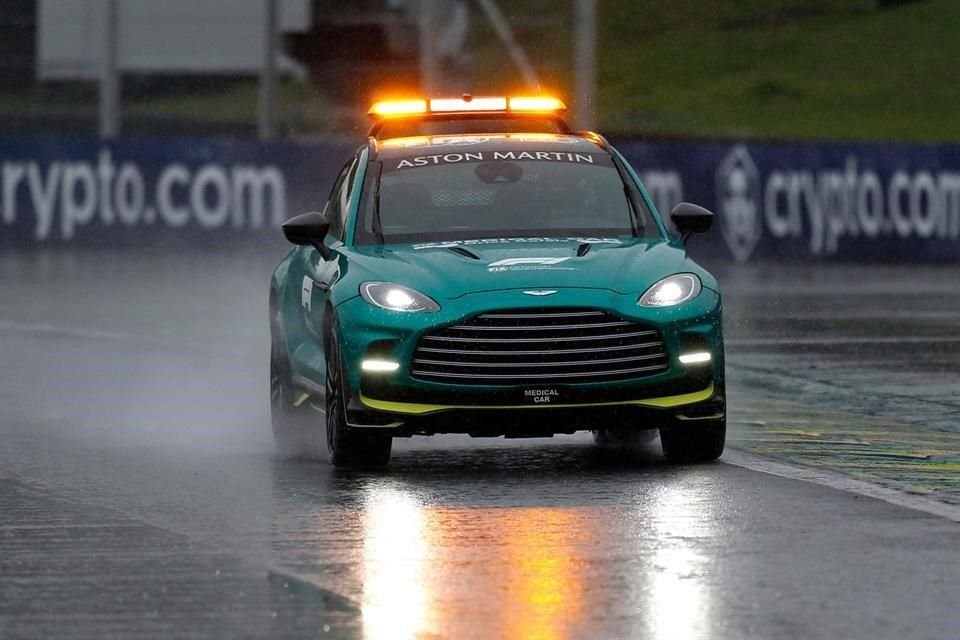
{"x":377,"y":225}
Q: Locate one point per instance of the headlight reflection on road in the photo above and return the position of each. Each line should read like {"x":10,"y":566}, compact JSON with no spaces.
{"x":394,"y":553}
{"x":427,"y":570}
{"x":679,"y":606}
{"x":545,"y":585}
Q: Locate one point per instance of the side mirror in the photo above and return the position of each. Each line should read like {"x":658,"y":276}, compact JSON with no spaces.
{"x":690,"y":219}
{"x":308,"y":229}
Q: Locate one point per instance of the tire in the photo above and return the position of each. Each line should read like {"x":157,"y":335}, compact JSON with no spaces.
{"x":348,"y":447}
{"x":698,"y":441}
{"x":291,"y":424}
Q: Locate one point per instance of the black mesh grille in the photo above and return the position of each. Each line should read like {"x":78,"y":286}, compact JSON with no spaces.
{"x":533,"y":346}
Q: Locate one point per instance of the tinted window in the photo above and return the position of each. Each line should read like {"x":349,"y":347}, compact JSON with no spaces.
{"x":336,"y":210}
{"x":462,"y":195}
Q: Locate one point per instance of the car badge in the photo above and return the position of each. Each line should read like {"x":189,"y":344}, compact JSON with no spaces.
{"x":549,"y":292}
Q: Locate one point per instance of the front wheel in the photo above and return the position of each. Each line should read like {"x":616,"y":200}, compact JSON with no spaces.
{"x":347,"y":446}
{"x":694,"y":441}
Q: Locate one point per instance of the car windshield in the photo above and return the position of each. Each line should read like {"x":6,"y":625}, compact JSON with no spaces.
{"x":466,"y":195}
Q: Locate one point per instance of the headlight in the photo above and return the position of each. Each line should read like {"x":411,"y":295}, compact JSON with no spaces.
{"x":671,"y":290}
{"x":396,"y":297}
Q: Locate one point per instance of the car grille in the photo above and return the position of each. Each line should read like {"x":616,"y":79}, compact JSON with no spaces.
{"x":532,"y":346}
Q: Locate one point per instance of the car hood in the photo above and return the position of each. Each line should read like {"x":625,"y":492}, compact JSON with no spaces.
{"x":451,"y":270}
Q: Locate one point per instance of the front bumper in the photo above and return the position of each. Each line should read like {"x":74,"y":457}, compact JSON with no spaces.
{"x":398,"y":401}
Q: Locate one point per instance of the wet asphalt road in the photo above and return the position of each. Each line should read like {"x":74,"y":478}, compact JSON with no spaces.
{"x":139,"y":494}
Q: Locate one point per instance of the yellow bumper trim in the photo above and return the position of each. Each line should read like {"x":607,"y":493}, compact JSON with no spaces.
{"x":413,"y":408}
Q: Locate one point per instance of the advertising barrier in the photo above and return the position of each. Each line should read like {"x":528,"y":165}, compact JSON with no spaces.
{"x":151,"y":191}
{"x":879,"y":202}
{"x":875,"y":202}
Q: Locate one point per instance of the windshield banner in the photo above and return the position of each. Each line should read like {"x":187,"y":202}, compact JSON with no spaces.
{"x":411,"y":162}
{"x":877,"y":202}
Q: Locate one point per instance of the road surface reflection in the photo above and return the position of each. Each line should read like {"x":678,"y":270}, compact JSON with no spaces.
{"x":429,"y":569}
{"x":679,"y":602}
{"x":573,"y":554}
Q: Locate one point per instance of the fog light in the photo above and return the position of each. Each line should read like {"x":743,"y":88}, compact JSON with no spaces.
{"x":380,"y":366}
{"x":695,"y":357}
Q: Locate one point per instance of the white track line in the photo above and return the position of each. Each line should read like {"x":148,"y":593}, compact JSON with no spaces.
{"x":841,"y":482}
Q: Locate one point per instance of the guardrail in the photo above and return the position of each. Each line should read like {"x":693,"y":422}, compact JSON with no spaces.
{"x":879,"y":202}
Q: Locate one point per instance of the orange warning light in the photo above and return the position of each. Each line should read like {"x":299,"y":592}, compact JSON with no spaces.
{"x":536,"y":103}
{"x":392,"y":108}
{"x":466,"y":103}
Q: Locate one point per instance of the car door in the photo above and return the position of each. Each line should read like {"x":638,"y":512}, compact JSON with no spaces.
{"x":317,"y":274}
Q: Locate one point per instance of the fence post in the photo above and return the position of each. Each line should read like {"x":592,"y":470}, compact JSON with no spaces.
{"x":267,"y":92}
{"x":585,"y":53}
{"x":109,"y":89}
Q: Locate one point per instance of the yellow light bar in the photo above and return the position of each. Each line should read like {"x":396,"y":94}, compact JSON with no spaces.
{"x":536,"y":103}
{"x":473,"y":104}
{"x":519,"y":104}
{"x":388,"y":108}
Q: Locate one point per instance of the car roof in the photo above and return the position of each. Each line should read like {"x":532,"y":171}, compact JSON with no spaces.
{"x":418,"y":145}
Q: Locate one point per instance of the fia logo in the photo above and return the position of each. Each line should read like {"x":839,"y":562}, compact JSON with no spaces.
{"x":738,"y":197}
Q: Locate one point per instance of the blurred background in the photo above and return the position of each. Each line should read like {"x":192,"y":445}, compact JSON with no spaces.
{"x":812,"y":128}
{"x":749,"y":69}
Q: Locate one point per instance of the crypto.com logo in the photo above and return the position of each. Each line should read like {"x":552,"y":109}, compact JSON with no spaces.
{"x":738,"y":197}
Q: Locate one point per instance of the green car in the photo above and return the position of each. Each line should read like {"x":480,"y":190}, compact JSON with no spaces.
{"x":485,"y":270}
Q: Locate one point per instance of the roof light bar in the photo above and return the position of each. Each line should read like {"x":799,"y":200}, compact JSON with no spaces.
{"x":536,"y":103}
{"x":388,"y":108}
{"x":466,"y":104}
